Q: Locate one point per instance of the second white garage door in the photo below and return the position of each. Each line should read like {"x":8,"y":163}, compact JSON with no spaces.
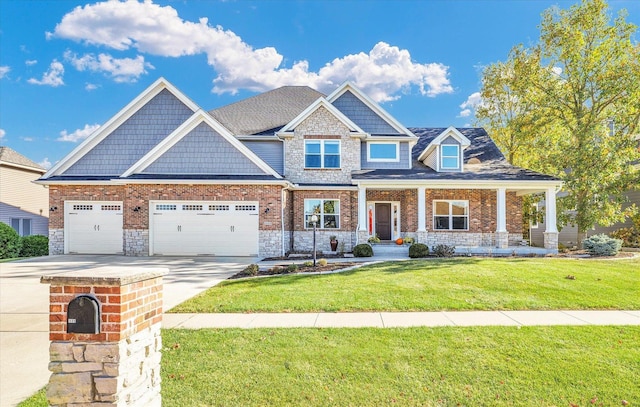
{"x":195,"y":228}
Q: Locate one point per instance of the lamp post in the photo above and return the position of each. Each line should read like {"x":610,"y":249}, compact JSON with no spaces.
{"x":314,"y":220}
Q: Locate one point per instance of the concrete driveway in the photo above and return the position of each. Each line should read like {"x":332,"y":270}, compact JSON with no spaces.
{"x":24,"y":307}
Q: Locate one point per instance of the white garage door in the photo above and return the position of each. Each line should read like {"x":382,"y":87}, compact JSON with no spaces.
{"x":204,"y":228}
{"x":93,"y":227}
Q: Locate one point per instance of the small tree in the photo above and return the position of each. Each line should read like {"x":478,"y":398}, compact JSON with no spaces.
{"x":10,"y":242}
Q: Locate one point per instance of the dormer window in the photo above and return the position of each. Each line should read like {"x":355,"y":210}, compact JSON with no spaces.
{"x":450,"y":157}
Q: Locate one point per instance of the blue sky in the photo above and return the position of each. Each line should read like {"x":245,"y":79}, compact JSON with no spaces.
{"x":68,"y":66}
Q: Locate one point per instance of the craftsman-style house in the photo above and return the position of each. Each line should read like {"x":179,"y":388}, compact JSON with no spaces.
{"x":165,"y":177}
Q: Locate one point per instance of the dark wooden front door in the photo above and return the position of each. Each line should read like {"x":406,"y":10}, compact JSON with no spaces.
{"x":383,"y":221}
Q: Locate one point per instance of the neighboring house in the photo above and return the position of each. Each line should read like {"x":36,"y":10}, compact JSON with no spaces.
{"x":165,"y":177}
{"x":23,"y":205}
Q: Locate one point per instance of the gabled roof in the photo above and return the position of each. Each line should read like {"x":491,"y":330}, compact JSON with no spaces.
{"x":127,"y":112}
{"x":481,"y":146}
{"x":321,"y":103}
{"x":198,"y":117}
{"x":267,"y":111}
{"x":12,"y":158}
{"x":446,"y":133}
{"x":350,"y":87}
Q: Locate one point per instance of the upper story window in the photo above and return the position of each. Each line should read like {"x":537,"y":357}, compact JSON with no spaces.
{"x":451,"y":215}
{"x":383,"y":151}
{"x":322,"y":153}
{"x":450,"y":157}
{"x":327,"y":211}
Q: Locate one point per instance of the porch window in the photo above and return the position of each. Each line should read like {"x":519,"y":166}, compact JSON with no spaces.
{"x":22,"y":226}
{"x":451,"y":215}
{"x":450,"y":157}
{"x":322,"y":153}
{"x":328,"y":211}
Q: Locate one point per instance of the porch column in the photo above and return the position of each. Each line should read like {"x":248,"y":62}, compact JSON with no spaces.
{"x":502,"y":236}
{"x":551,"y":233}
{"x":422,"y":210}
{"x":362,"y":232}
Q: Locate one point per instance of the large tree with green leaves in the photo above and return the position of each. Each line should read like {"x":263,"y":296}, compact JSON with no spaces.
{"x":570,"y":106}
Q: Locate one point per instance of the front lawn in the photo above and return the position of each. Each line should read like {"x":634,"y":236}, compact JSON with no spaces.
{"x":449,"y":366}
{"x":437,"y":284}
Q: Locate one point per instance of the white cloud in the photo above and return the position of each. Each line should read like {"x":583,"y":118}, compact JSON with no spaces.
{"x":79,"y":134}
{"x":4,"y":70}
{"x":121,"y":70}
{"x":28,"y":139}
{"x":53,"y":77}
{"x":473,"y":101}
{"x":46,"y":164}
{"x":152,"y":29}
{"x":30,"y":62}
{"x":90,"y":87}
{"x":2,"y":133}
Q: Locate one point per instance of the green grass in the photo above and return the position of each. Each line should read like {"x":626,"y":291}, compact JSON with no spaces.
{"x":37,"y":400}
{"x":488,"y":366}
{"x":444,"y":284}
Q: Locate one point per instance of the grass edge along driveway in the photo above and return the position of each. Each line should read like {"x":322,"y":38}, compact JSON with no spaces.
{"x":435,"y":285}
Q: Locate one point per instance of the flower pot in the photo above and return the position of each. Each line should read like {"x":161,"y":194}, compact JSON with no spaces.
{"x":334,"y":245}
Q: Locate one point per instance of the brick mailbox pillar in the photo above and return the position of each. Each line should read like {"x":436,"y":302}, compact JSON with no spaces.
{"x":104,"y":327}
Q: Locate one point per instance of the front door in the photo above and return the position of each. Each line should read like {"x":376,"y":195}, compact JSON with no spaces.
{"x":383,"y":221}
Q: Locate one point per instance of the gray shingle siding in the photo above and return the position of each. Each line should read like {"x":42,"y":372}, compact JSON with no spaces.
{"x":203,"y":151}
{"x":134,"y":138}
{"x":402,"y":164}
{"x":270,"y":151}
{"x":362,"y":115}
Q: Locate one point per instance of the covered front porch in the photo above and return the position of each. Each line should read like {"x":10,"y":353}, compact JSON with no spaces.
{"x":475,"y":217}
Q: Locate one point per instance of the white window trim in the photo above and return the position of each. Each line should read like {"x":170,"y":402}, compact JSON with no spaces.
{"x":322,"y":154}
{"x":442,"y":157}
{"x":321,"y":215}
{"x":387,"y":160}
{"x":451,"y":216}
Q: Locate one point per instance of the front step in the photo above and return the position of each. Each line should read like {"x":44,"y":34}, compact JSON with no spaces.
{"x":390,"y":249}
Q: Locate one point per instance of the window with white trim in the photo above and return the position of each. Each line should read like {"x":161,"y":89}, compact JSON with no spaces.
{"x":381,"y":151}
{"x":22,"y":226}
{"x":450,"y":157}
{"x":327,"y":210}
{"x":322,"y":153}
{"x":450,"y":215}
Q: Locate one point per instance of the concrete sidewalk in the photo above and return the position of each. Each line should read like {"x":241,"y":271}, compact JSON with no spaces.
{"x":401,"y":319}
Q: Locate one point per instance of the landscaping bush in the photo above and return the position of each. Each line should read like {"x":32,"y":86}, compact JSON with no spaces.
{"x":34,"y":245}
{"x":374,"y":239}
{"x":602,"y":245}
{"x":322,"y":262}
{"x":292,"y":268}
{"x":307,"y":263}
{"x":630,"y":236}
{"x":444,"y":250}
{"x":418,"y":250}
{"x":362,"y":250}
{"x":10,"y":242}
{"x":250,"y":270}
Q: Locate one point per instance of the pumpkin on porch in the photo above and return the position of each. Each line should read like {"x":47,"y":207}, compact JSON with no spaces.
{"x":399,"y":240}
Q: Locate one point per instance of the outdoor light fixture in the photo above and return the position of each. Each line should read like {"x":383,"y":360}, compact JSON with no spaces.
{"x":314,"y":219}
{"x":53,"y":208}
{"x":137,"y":209}
{"x":267,"y":210}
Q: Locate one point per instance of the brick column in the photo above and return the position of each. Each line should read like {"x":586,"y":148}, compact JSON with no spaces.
{"x":119,"y":365}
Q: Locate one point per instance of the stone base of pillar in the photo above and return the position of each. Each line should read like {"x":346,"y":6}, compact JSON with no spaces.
{"x":421,"y":237}
{"x":551,"y":241}
{"x":502,"y":240}
{"x":363,"y":236}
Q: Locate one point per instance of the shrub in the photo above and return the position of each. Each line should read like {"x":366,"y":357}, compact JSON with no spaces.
{"x":34,"y":245}
{"x":250,"y":270}
{"x":308,"y":263}
{"x":322,"y":262}
{"x":630,"y":236}
{"x":418,"y":250}
{"x":275,"y":270}
{"x":409,"y":240}
{"x":292,"y":268}
{"x":444,"y":250}
{"x":374,"y":239}
{"x":10,"y":242}
{"x":602,"y":245}
{"x":362,"y":250}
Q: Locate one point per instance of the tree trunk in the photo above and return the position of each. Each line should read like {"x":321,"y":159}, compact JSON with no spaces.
{"x":581,"y":236}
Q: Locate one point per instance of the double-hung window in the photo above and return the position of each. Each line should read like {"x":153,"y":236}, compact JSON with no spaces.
{"x":22,"y":226}
{"x":327,"y":211}
{"x":322,"y":153}
{"x":450,"y":157}
{"x":451,"y":215}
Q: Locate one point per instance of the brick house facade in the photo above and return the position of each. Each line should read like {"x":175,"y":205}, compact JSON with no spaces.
{"x":246,"y":178}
